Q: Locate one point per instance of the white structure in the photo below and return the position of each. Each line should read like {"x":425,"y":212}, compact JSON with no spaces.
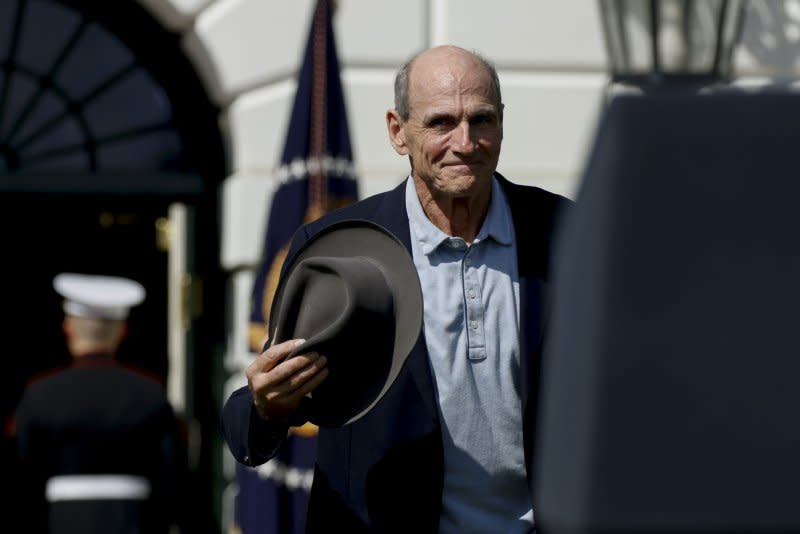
{"x":549,"y":53}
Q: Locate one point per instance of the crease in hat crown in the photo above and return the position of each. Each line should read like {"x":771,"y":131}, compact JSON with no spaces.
{"x":366,"y":347}
{"x":98,"y":296}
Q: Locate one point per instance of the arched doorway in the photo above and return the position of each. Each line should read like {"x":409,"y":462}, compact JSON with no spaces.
{"x":104,"y":125}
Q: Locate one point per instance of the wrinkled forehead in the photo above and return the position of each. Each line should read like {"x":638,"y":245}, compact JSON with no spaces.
{"x":450,"y":76}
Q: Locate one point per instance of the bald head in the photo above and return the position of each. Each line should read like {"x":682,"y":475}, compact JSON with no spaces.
{"x":429,"y":60}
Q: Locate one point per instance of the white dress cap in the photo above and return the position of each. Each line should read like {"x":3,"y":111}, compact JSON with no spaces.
{"x":98,"y":297}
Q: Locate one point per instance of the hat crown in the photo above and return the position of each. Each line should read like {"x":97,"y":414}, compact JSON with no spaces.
{"x":353,"y":293}
{"x":338,"y":304}
{"x":327,"y":293}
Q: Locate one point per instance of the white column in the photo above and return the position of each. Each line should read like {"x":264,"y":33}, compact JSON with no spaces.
{"x":177,"y":312}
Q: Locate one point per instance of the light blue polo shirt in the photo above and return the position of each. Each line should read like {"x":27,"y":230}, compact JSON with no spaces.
{"x":471,"y":324}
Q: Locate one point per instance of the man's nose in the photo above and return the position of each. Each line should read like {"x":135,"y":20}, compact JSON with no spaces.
{"x":463,"y":141}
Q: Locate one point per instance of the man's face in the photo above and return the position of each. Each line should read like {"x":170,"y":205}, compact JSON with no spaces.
{"x":454,"y":130}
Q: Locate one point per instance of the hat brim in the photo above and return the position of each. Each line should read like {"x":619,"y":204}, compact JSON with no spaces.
{"x":362,"y":238}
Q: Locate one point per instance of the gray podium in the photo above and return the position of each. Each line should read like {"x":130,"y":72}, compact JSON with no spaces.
{"x":670,"y":396}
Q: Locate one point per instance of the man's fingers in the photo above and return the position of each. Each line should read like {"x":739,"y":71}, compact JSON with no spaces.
{"x":272,"y":357}
{"x":278,"y":392}
{"x":289,"y":375}
{"x":299,"y":382}
{"x":312,"y":383}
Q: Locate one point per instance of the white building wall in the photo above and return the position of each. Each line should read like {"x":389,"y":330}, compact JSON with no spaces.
{"x":549,"y":55}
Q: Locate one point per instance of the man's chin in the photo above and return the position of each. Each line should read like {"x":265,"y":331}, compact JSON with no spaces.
{"x":464,"y":169}
{"x":464,"y":184}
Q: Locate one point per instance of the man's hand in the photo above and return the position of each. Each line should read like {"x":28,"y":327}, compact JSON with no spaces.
{"x":278,"y":385}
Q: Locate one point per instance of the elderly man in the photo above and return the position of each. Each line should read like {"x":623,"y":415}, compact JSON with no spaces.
{"x":447,"y":448}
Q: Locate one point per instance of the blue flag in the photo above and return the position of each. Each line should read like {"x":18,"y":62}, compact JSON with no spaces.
{"x":316,"y":175}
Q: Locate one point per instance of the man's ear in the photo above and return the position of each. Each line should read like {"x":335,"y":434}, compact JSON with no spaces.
{"x":397,"y":135}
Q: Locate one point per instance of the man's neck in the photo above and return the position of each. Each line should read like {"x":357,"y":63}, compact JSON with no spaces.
{"x":456,"y":216}
{"x":84,"y":350}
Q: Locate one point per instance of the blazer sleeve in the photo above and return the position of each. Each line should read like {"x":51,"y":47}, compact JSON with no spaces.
{"x":251,"y":440}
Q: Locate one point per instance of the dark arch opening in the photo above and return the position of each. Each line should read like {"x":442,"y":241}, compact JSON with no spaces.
{"x":101,"y":113}
{"x":100,"y":87}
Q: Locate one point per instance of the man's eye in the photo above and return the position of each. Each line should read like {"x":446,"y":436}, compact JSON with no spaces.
{"x":440,"y":122}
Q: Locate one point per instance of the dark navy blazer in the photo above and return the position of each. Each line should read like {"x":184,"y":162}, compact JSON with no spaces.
{"x":385,"y":471}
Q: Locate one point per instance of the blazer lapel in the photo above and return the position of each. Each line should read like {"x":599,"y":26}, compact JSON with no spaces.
{"x":531,"y":293}
{"x":531,"y":283}
{"x":393,"y":216}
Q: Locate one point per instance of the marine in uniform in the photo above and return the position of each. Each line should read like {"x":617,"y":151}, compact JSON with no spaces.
{"x":99,"y":443}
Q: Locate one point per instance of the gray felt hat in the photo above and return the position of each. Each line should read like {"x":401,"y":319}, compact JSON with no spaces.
{"x":353,"y":294}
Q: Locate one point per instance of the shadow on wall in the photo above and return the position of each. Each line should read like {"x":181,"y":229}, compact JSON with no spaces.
{"x":769,"y":42}
{"x":771,"y":37}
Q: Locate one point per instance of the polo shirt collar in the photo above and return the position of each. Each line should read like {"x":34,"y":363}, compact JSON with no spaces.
{"x":496,"y":226}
